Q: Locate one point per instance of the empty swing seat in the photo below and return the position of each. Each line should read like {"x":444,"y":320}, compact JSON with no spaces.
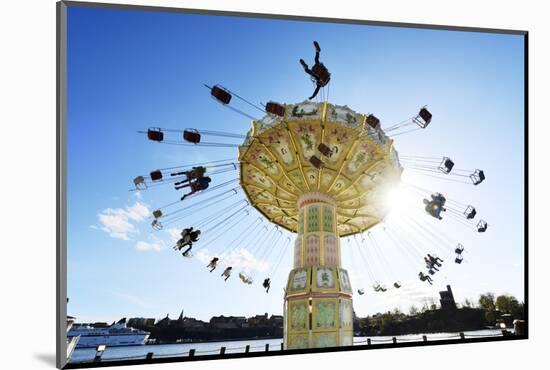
{"x":220,"y":94}
{"x":316,"y":162}
{"x":361,"y":291}
{"x":139,"y":183}
{"x":275,"y":108}
{"x":423,"y":118}
{"x":325,"y":150}
{"x":373,"y":122}
{"x":459,"y":259}
{"x":446,"y":165}
{"x":156,"y":225}
{"x":477,"y":177}
{"x":470,"y":212}
{"x":397,"y":284}
{"x":192,"y":136}
{"x":482,"y":226}
{"x":156,"y":175}
{"x":155,"y":134}
{"x":459,"y":249}
{"x":157,"y":213}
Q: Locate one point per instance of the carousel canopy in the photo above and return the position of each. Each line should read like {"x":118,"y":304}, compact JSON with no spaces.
{"x":319,"y":147}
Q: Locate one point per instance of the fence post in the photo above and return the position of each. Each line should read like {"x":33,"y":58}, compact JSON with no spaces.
{"x":424,"y":338}
{"x":149,"y":356}
{"x":394,"y":339}
{"x":462,"y":336}
{"x":282,"y":346}
{"x":368,"y":341}
{"x":222,"y":351}
{"x":267,"y":347}
{"x":247,"y":348}
{"x":192,"y":352}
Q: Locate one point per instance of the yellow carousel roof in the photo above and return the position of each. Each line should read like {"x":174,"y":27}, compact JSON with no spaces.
{"x":276,"y":166}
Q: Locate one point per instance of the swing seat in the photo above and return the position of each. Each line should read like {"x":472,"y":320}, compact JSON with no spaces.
{"x":139,"y":183}
{"x":316,"y":162}
{"x":192,"y":136}
{"x":397,"y":284}
{"x":423,"y":118}
{"x":361,"y":291}
{"x":431,"y":271}
{"x":220,"y":94}
{"x":275,"y":108}
{"x":325,"y":150}
{"x":157,"y":213}
{"x":156,"y":175}
{"x":156,"y":225}
{"x":470,"y":212}
{"x":459,"y":249}
{"x":155,"y":134}
{"x":459,"y":259}
{"x":446,"y":165}
{"x":477,"y":177}
{"x":373,"y":122}
{"x":481,"y":226}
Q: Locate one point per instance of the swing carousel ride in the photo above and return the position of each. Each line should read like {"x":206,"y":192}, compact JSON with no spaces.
{"x":323,"y":172}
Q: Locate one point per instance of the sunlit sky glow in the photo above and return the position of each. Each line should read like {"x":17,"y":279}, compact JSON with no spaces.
{"x":129,"y":70}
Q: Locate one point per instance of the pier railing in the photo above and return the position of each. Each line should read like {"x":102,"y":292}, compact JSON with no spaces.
{"x":371,"y":341}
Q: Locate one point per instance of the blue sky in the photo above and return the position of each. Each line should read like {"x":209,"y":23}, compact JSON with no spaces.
{"x":129,"y":70}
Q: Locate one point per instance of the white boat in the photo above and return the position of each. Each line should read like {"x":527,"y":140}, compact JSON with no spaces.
{"x":71,"y":342}
{"x":115,"y":335}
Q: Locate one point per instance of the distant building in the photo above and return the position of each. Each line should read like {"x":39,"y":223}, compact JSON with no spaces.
{"x":137,"y":322}
{"x":228,"y":322}
{"x":447,"y":299}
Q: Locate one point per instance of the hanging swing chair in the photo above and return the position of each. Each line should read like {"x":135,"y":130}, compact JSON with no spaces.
{"x":275,"y":108}
{"x":423,"y":118}
{"x":482,"y":226}
{"x":446,"y":165}
{"x":470,"y":212}
{"x":192,"y":135}
{"x":373,"y":122}
{"x":157,"y":213}
{"x":156,"y":225}
{"x":139,"y":183}
{"x":155,"y":134}
{"x":156,"y":175}
{"x":477,"y":177}
{"x":325,"y":150}
{"x":316,"y":162}
{"x":220,"y":94}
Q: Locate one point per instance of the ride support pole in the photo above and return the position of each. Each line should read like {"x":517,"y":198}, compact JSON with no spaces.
{"x":267,"y":347}
{"x":222,"y":351}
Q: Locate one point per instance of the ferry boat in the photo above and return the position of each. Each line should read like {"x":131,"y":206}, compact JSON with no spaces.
{"x":112,"y":336}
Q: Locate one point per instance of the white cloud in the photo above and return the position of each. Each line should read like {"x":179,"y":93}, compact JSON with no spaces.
{"x":240,"y":259}
{"x":144,"y":246}
{"x":119,"y":223}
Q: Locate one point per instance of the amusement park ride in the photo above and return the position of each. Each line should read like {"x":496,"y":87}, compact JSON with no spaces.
{"x":321,"y":171}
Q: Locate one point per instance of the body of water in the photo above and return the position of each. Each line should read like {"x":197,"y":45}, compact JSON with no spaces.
{"x":258,"y":345}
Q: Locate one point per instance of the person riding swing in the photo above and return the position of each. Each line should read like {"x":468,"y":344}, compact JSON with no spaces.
{"x":319,"y":73}
{"x":267,"y":284}
{"x":188,"y":237}
{"x":213,"y":264}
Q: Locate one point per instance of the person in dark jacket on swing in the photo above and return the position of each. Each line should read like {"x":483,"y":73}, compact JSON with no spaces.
{"x":319,"y":73}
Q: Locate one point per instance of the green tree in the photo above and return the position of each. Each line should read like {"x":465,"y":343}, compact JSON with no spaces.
{"x":487,"y":303}
{"x":413,"y":310}
{"x":506,"y":304}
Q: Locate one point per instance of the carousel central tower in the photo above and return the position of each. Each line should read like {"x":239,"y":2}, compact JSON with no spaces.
{"x":321,"y":171}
